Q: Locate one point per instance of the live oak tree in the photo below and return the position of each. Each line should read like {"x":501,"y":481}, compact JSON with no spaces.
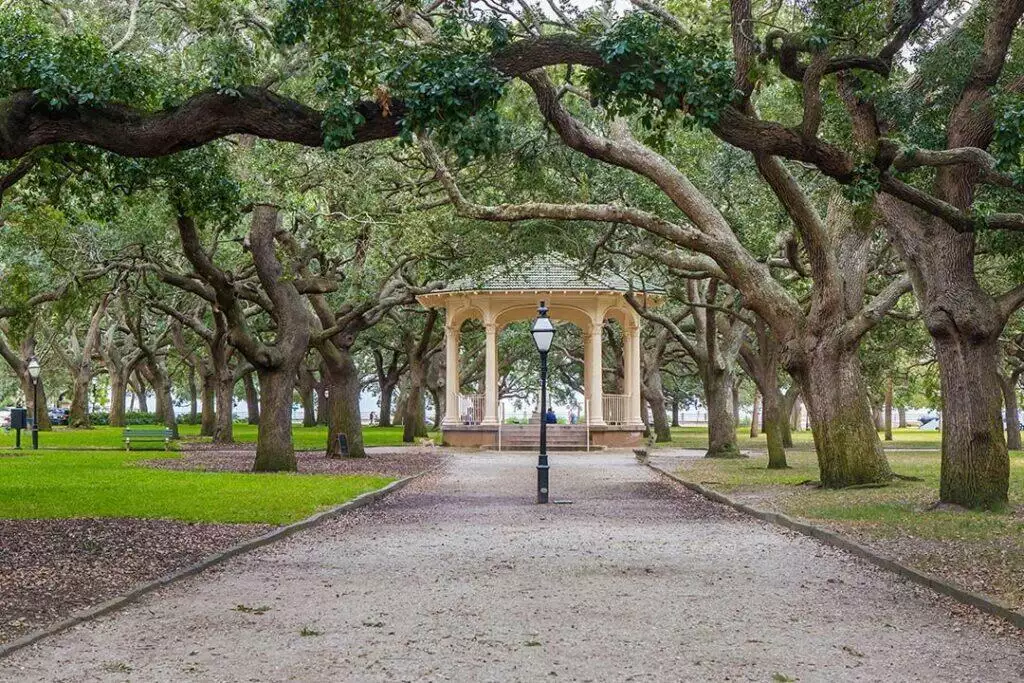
{"x":938,"y":175}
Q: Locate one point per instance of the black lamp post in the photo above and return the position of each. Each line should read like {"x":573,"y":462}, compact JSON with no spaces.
{"x":33,"y":373}
{"x":543,"y":334}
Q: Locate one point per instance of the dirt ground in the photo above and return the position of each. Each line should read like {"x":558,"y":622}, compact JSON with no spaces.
{"x":462,"y":577}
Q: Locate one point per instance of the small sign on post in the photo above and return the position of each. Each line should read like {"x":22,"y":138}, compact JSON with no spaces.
{"x":342,"y":446}
{"x":19,"y":421}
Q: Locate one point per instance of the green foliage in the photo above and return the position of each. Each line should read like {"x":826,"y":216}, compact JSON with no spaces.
{"x":1008,"y":143}
{"x":100,"y":418}
{"x":66,"y":69}
{"x":453,"y":95}
{"x":655,"y":73}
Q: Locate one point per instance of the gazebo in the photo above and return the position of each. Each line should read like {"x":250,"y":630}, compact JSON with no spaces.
{"x":507,"y":294}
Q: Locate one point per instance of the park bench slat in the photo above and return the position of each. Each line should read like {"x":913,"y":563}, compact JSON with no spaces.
{"x":152,"y":435}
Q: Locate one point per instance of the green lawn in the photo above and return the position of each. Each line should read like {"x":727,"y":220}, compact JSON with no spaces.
{"x":60,"y":484}
{"x":87,"y":473}
{"x":697,"y":437}
{"x":306,"y":438}
{"x":981,"y":550}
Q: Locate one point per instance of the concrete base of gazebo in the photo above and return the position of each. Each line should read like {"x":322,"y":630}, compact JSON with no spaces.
{"x":527,"y":437}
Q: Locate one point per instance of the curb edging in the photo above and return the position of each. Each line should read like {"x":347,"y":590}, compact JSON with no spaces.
{"x":985,"y":604}
{"x":133,"y":595}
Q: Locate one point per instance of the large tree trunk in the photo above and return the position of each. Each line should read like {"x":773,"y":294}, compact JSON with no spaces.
{"x":655,"y":395}
{"x":193,"y":397}
{"x":321,"y":401}
{"x":117,"y":398}
{"x":888,"y":409}
{"x":675,"y":412}
{"x":736,"y":403}
{"x":785,"y":408}
{"x":208,"y":423}
{"x":437,"y":398}
{"x":721,"y":425}
{"x":158,"y":399}
{"x":775,"y":428}
{"x":342,"y":378}
{"x":796,"y":415}
{"x":414,"y":425}
{"x":305,"y":386}
{"x":387,"y":395}
{"x":140,"y":392}
{"x":1009,"y":386}
{"x":848,"y":447}
{"x":162,"y":387}
{"x":78,"y":416}
{"x":252,"y":399}
{"x":975,"y":462}
{"x":902,"y":412}
{"x":755,"y":416}
{"x":964,"y":322}
{"x":224,"y":426}
{"x":274,"y":449}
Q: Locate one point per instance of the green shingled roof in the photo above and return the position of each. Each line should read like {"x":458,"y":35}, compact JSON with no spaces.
{"x":544,"y":272}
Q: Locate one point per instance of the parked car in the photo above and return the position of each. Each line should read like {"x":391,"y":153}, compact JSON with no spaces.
{"x":59,"y":416}
{"x":5,"y":418}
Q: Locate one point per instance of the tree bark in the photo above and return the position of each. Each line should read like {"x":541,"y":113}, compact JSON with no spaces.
{"x":342,"y":378}
{"x":888,"y":409}
{"x":785,"y":409}
{"x":655,"y":396}
{"x":274,"y":449}
{"x":117,"y":397}
{"x":224,"y":427}
{"x":1009,"y":387}
{"x":78,"y":416}
{"x":735,"y":403}
{"x":848,"y":447}
{"x":208,"y":423}
{"x":140,"y":392}
{"x":675,"y":412}
{"x":902,"y":412}
{"x":775,"y":429}
{"x":252,"y":399}
{"x":305,"y":388}
{"x":438,"y":400}
{"x":162,"y":387}
{"x":414,"y":424}
{"x":321,"y":401}
{"x":755,"y":416}
{"x":975,"y":461}
{"x":721,"y":426}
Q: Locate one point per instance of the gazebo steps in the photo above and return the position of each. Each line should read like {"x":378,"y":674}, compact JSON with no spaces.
{"x":561,"y":448}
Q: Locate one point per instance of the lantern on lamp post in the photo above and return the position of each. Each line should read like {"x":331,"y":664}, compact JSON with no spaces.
{"x":543,"y":334}
{"x":33,"y":373}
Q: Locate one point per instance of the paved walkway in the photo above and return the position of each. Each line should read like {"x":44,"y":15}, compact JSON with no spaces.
{"x":460,"y":577}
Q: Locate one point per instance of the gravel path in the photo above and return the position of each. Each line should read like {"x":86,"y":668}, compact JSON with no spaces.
{"x":460,"y":577}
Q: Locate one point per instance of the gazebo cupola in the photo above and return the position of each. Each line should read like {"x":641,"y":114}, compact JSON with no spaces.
{"x":503,"y":295}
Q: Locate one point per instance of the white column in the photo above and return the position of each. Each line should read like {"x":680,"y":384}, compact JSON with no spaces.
{"x":587,"y":391}
{"x":451,"y":375}
{"x":491,"y":375}
{"x":594,"y":339}
{"x":631,"y":349}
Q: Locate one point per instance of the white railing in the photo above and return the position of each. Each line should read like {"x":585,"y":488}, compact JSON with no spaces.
{"x":471,"y":409}
{"x":615,"y":406}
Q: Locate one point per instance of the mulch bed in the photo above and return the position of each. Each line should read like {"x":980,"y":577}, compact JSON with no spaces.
{"x":50,"y":569}
{"x":391,"y":462}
